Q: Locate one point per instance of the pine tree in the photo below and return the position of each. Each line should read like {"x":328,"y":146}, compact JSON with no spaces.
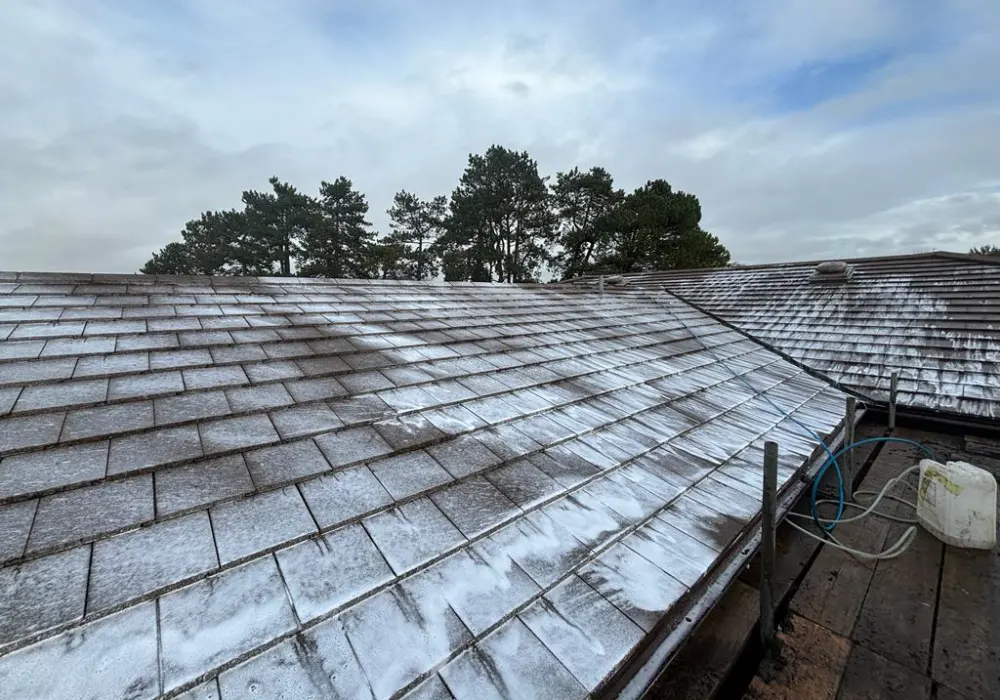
{"x":501,"y":218}
{"x":338,"y":242}
{"x":416,"y":226}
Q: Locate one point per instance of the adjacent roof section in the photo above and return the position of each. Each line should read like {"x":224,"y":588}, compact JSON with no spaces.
{"x":360,"y":490}
{"x":934,"y":318}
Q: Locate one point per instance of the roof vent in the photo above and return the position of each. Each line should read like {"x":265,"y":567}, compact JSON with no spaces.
{"x":832,"y":271}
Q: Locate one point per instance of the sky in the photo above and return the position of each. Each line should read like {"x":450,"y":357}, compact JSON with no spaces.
{"x":807,"y":128}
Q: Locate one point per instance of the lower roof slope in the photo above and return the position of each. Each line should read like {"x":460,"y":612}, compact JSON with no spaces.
{"x":934,"y":318}
{"x":336,"y":489}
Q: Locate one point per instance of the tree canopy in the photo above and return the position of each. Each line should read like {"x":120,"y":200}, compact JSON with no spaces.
{"x":990,"y":250}
{"x":503,"y":222}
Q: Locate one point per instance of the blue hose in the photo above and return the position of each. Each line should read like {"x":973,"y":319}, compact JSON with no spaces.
{"x":832,"y":459}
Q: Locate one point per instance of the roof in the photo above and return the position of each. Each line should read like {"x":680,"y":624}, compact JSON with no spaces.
{"x":358,"y":489}
{"x":934,"y":318}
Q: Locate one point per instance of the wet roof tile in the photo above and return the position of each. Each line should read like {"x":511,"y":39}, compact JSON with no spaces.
{"x":924,"y":313}
{"x":537,"y":421}
{"x":136,"y":563}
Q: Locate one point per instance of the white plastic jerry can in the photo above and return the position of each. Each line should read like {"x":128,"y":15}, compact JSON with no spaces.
{"x":957,"y":503}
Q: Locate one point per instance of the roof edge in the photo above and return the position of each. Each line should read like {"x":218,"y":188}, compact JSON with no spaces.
{"x":939,"y":254}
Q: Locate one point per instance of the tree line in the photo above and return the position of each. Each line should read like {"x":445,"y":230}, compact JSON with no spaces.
{"x":504,"y":222}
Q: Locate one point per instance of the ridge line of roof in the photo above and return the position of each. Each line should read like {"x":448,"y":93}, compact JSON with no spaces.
{"x":938,"y":254}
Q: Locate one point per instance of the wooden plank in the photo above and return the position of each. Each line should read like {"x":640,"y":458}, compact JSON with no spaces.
{"x":707,"y":658}
{"x":967,"y":639}
{"x":871,"y":676}
{"x":809,"y":666}
{"x":897,"y":618}
{"x":833,"y":592}
{"x":982,"y":446}
{"x":946,"y":693}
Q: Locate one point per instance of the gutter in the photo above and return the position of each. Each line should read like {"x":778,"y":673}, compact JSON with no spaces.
{"x":652,"y":660}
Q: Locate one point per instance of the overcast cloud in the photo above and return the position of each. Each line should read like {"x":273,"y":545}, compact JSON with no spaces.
{"x":808,"y":128}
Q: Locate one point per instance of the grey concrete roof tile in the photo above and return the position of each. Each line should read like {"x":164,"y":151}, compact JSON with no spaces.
{"x":205,"y":624}
{"x":19,"y":433}
{"x":464,"y":455}
{"x":115,"y":327}
{"x":318,"y":388}
{"x":45,"y":470}
{"x":191,"y":339}
{"x":412,"y":534}
{"x":510,"y":663}
{"x":211,"y":377}
{"x":507,"y":442}
{"x":493,"y":409}
{"x":474,"y":506}
{"x":426,"y":631}
{"x":157,"y":341}
{"x":407,"y":398}
{"x":483,"y":385}
{"x":309,"y":419}
{"x":136,"y":563}
{"x":431,"y":689}
{"x":15,"y":524}
{"x":255,"y":335}
{"x":145,"y":385}
{"x":352,"y":445}
{"x":202,"y":483}
{"x":239,"y":433}
{"x":354,"y":410}
{"x":639,"y":473}
{"x":107,"y":420}
{"x":365,"y":382}
{"x":30,"y":329}
{"x":105,"y":365}
{"x":344,"y":495}
{"x":154,"y":448}
{"x":675,"y":552}
{"x":258,"y":398}
{"x":208,"y":690}
{"x":174,"y":359}
{"x":78,"y":515}
{"x":725,"y":499}
{"x":21,"y":349}
{"x":26,"y":371}
{"x":454,"y":419}
{"x":190,"y":407}
{"x":246,"y":352}
{"x":634,"y":585}
{"x":541,"y":546}
{"x":315,"y":665}
{"x":709,"y":526}
{"x":42,"y":593}
{"x":404,"y":432}
{"x":410,"y":473}
{"x":275,"y":370}
{"x":260,"y":521}
{"x":625,"y":497}
{"x":8,"y":397}
{"x":589,"y":519}
{"x":329,"y":364}
{"x":523,"y":483}
{"x":584,"y":631}
{"x":112,"y":657}
{"x":325,"y":574}
{"x":282,"y":464}
{"x":62,"y":395}
{"x":481,"y":587}
{"x":288,"y":350}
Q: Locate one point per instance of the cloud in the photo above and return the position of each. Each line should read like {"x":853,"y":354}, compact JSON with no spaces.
{"x":807,"y":129}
